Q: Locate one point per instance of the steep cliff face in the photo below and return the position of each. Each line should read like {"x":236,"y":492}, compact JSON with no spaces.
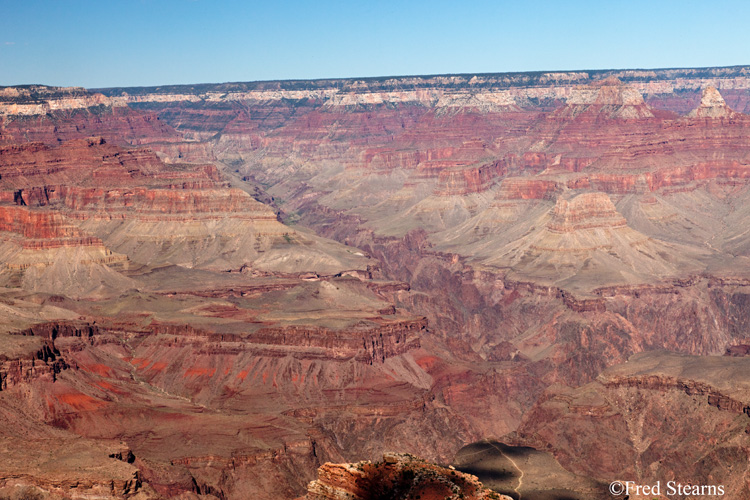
{"x":39,"y":99}
{"x":51,"y":114}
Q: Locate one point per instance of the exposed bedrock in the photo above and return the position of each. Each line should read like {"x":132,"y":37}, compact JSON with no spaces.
{"x":396,"y":476}
{"x":42,"y":358}
{"x":52,"y":114}
{"x":269,"y":408}
{"x":660,"y":416}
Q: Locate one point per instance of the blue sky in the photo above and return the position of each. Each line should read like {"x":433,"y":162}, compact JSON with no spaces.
{"x":108,"y":43}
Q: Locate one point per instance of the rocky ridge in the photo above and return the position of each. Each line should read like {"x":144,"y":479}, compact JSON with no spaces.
{"x":397,"y":476}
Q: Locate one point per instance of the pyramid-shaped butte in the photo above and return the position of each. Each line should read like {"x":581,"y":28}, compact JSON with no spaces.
{"x":712,"y":105}
{"x":584,"y":243}
{"x":609,"y":98}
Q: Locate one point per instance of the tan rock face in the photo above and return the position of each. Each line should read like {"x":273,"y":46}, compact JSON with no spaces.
{"x":712,"y":105}
{"x":610,"y":91}
{"x":25,"y":102}
{"x":711,"y":98}
{"x":586,"y":211}
{"x":609,"y":99}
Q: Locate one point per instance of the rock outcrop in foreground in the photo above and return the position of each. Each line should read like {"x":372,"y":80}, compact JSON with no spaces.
{"x":396,"y":477}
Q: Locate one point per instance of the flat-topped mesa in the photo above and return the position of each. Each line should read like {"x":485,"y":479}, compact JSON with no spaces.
{"x":613,"y":91}
{"x":462,"y":181}
{"x":585,"y":211}
{"x":609,"y":99}
{"x":712,"y":106}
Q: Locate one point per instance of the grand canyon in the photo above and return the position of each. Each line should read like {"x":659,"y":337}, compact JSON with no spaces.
{"x":490,"y":286}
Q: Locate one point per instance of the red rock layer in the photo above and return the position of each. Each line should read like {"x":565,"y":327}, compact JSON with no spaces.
{"x":91,"y":175}
{"x":120,"y":125}
{"x":469,"y":179}
{"x":42,"y":229}
{"x":44,"y":365}
{"x":519,"y":188}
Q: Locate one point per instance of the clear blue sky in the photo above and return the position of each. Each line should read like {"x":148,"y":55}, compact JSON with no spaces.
{"x":107,"y":43}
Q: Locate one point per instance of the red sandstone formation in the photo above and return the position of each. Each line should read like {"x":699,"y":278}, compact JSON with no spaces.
{"x":587,"y":211}
{"x":397,"y":476}
{"x":527,"y":189}
{"x":468,"y":180}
